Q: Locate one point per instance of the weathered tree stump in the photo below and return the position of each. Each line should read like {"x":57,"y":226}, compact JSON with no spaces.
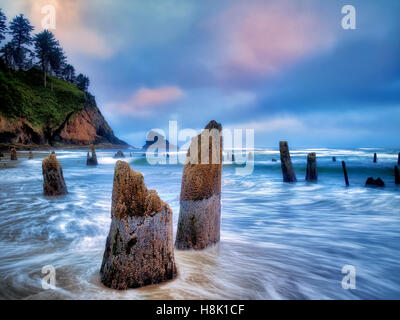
{"x":13,"y":155}
{"x":139,"y":247}
{"x":92,"y":160}
{"x":346,"y":178}
{"x":200,"y":199}
{"x":53,"y":178}
{"x":311,"y":172}
{"x":286,"y":163}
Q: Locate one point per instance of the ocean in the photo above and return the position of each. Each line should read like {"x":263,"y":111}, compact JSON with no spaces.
{"x":278,"y":240}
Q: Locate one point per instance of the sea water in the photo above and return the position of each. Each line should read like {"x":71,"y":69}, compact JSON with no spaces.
{"x":278,"y":240}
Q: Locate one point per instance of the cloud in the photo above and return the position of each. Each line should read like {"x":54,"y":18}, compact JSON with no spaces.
{"x":145,"y":100}
{"x":262,"y":38}
{"x":289,"y":123}
{"x":73,"y":29}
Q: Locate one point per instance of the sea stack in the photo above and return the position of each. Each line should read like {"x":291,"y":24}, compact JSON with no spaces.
{"x":375,"y":158}
{"x":119,"y":155}
{"x":139,"y":246}
{"x":92,"y":160}
{"x":53,"y":178}
{"x":200,"y":200}
{"x":396,"y":175}
{"x":311,"y":173}
{"x":13,"y":155}
{"x":30,"y":156}
{"x":286,"y":163}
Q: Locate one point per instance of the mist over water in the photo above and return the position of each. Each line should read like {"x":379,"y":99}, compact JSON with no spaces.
{"x":278,"y":241}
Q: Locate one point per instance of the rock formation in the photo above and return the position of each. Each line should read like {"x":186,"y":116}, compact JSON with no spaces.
{"x":334,"y":159}
{"x":53,"y":178}
{"x":396,"y":175}
{"x":13,"y":155}
{"x":160,"y":139}
{"x":375,"y":158}
{"x":274,"y":160}
{"x":1,"y":154}
{"x":84,"y":127}
{"x":286,"y":163}
{"x":398,"y":159}
{"x":119,"y":155}
{"x":139,"y":246}
{"x":311,"y":173}
{"x":375,"y":182}
{"x":200,"y":199}
{"x":91,"y":160}
{"x":30,"y":156}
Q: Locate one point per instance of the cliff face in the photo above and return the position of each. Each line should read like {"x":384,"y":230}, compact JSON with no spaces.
{"x":60,"y":114}
{"x":84,"y":127}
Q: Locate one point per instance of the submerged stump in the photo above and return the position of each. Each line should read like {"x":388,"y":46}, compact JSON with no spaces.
{"x":13,"y":155}
{"x":200,"y":199}
{"x":311,"y":172}
{"x":53,"y":178}
{"x":92,"y":160}
{"x":374,"y":182}
{"x":139,"y":246}
{"x":286,"y":163}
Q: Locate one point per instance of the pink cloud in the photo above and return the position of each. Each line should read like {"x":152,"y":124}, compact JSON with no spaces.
{"x":144,"y":100}
{"x":263,"y":38}
{"x":72,"y":27}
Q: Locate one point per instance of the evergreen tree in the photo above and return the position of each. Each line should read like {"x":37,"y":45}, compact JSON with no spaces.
{"x":20,"y":29}
{"x":49,"y":53}
{"x":3,"y":25}
{"x":7,"y":54}
{"x":57,"y":61}
{"x":83,"y":82}
{"x":69,"y":73}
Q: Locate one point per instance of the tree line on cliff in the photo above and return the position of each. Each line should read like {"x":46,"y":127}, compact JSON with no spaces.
{"x":42,"y":50}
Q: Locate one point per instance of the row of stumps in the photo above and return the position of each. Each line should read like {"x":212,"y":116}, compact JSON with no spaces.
{"x":13,"y":155}
{"x":289,"y":175}
{"x":139,"y":248}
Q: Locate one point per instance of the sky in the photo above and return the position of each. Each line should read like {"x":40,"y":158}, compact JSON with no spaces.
{"x":286,"y":69}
